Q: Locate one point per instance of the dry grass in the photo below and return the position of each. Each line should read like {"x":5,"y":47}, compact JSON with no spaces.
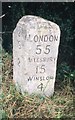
{"x":15,"y":105}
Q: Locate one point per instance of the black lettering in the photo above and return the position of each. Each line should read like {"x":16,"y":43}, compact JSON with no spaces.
{"x":47,"y":78}
{"x":19,"y":43}
{"x":41,"y":78}
{"x":51,"y":77}
{"x":50,"y":59}
{"x":54,"y":60}
{"x":30,"y":78}
{"x":36,"y":59}
{"x":35,"y":38}
{"x":51,"y":38}
{"x":45,"y":38}
{"x":29,"y":59}
{"x":44,"y":59}
{"x":37,"y":78}
{"x":18,"y":62}
{"x":55,"y":38}
{"x":41,"y":38}
{"x":40,"y":86}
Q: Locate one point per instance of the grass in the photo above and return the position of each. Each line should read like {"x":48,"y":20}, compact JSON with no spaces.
{"x":15,"y":105}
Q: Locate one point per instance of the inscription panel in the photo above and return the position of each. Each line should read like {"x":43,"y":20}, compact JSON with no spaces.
{"x":35,"y":54}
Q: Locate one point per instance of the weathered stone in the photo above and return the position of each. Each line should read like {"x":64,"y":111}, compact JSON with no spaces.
{"x":35,"y":51}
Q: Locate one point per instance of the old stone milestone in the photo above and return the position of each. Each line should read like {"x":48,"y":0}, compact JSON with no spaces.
{"x":35,"y":52}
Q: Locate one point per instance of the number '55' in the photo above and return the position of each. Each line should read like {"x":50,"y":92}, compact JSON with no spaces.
{"x":39,"y":49}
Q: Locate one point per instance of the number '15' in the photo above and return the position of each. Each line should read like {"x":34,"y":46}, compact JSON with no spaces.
{"x":40,"y":69}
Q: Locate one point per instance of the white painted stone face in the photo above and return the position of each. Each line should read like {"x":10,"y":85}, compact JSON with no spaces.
{"x":35,"y":52}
